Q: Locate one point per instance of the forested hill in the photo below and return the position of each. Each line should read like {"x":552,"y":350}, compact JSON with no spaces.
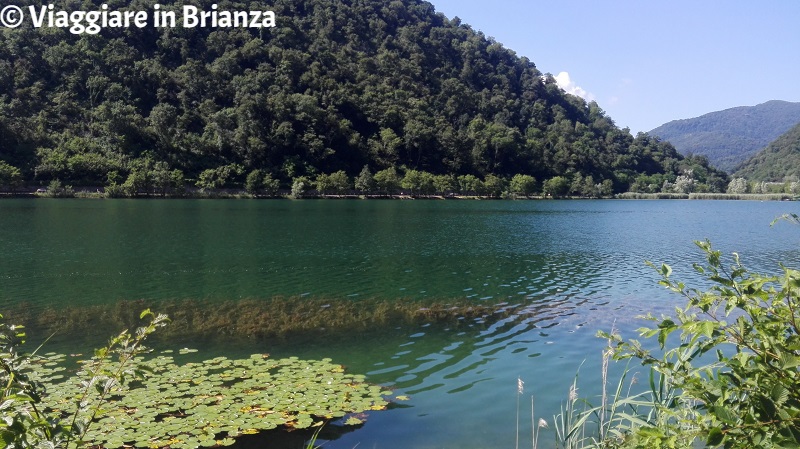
{"x":336,"y":85}
{"x":730,"y":137}
{"x":779,"y":161}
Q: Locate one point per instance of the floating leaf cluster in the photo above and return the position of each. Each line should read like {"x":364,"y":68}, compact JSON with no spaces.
{"x":209,"y":403}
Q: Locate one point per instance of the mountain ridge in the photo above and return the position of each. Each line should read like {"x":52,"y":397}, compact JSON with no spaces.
{"x":731,"y":136}
{"x":778,"y":162}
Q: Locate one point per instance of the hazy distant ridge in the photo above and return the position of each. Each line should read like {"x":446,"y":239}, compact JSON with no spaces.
{"x":730,"y":137}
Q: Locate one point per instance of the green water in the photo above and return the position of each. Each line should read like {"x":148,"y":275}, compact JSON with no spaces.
{"x":561,"y":269}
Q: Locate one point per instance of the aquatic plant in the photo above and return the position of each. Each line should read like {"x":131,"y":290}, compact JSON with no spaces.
{"x":263,"y":319}
{"x":119,"y":398}
{"x":209,"y":403}
{"x":24,"y":418}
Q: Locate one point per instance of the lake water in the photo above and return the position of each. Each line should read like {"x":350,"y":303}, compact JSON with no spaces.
{"x":550,"y":273}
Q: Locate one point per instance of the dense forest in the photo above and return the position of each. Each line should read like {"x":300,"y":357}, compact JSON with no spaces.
{"x":730,"y":137}
{"x":778,"y":162}
{"x":336,"y":86}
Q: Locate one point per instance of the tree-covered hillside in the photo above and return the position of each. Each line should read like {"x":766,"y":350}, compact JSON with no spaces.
{"x":778,"y":162}
{"x":730,"y":137}
{"x":335,"y":86}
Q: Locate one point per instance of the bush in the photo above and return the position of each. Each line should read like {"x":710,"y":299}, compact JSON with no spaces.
{"x":57,"y":190}
{"x":732,"y":379}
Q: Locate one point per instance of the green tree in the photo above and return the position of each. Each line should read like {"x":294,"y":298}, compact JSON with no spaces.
{"x":418,"y":182}
{"x":444,"y":184}
{"x":10,"y":176}
{"x":299,"y":187}
{"x":162,"y":178}
{"x":523,"y":185}
{"x":556,"y":186}
{"x":340,"y":182}
{"x":605,"y":188}
{"x":385,"y":147}
{"x":178,"y":181}
{"x":470,"y":185}
{"x":254,"y":183}
{"x":494,"y":186}
{"x":387,"y":181}
{"x":208,"y":180}
{"x":270,"y":185}
{"x":364,"y":182}
{"x":216,"y":178}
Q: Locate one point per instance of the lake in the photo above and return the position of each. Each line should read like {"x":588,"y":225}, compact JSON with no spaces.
{"x":529,"y":282}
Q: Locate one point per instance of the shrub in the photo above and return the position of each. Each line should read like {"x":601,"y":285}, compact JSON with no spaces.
{"x":733,"y":376}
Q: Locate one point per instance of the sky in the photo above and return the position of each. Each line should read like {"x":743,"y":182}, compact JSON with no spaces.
{"x":650,"y":62}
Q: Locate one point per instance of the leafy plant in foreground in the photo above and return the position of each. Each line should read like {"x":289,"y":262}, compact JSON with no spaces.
{"x":732,"y":379}
{"x":23,"y":420}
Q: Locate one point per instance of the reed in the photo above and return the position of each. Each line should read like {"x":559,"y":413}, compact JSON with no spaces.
{"x":741,"y":196}
{"x":651,"y":196}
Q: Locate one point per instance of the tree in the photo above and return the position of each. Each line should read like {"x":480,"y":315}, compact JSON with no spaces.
{"x":10,"y":176}
{"x":523,"y":185}
{"x":162,"y":178}
{"x":340,"y":182}
{"x":494,"y":185}
{"x":208,"y":180}
{"x":364,"y":182}
{"x":470,"y":184}
{"x":216,"y":178}
{"x":683,"y":184}
{"x":254,"y":182}
{"x":444,"y":184}
{"x":270,"y":185}
{"x":323,"y":183}
{"x":605,"y":188}
{"x":299,"y":186}
{"x":556,"y":186}
{"x":417,"y":182}
{"x":387,"y":181}
{"x":737,"y":186}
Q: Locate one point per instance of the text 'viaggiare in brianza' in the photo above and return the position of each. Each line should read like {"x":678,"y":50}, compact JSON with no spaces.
{"x":92,"y":22}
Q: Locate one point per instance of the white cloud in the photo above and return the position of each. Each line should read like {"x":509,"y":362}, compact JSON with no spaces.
{"x":565,"y":82}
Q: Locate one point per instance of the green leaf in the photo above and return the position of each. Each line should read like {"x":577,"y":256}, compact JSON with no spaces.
{"x":715,"y":437}
{"x":724,"y":414}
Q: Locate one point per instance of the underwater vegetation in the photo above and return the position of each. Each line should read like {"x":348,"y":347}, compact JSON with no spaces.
{"x":253,"y":319}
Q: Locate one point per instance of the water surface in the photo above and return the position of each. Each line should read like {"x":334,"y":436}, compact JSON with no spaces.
{"x":555,"y":272}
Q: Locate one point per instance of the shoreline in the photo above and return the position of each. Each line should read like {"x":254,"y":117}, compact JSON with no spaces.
{"x":242,"y":195}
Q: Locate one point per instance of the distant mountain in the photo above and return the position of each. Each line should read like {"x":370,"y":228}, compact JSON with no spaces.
{"x":730,"y":137}
{"x":779,"y":160}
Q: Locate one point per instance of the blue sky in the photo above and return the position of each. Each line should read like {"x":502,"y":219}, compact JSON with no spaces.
{"x":649,"y":62}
